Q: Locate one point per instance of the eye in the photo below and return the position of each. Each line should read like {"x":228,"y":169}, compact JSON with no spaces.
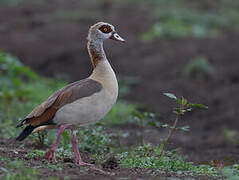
{"x":105,"y":29}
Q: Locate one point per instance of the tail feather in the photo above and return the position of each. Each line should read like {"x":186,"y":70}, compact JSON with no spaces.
{"x":21,"y":123}
{"x":26,"y":132}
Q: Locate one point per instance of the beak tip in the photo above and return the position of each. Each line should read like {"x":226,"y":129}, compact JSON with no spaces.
{"x":116,"y":37}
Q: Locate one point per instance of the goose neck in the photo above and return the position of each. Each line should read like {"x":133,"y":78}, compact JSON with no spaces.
{"x":96,"y":52}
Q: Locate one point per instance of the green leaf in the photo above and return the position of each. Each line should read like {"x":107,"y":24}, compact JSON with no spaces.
{"x":179,"y":101}
{"x":184,"y":101}
{"x":185,"y":128}
{"x":165,"y":126}
{"x":137,"y":114}
{"x":170,"y":95}
{"x":201,"y":106}
{"x":17,"y":81}
{"x":189,"y":109}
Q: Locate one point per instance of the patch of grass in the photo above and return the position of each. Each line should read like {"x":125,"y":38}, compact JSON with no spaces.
{"x":56,"y":167}
{"x":231,"y":173}
{"x":35,"y":153}
{"x":181,"y":23}
{"x":199,"y":68}
{"x":148,"y":156}
{"x":177,"y":19}
{"x":12,"y":77}
{"x":5,"y":159}
{"x":94,"y":139}
{"x":17,"y":170}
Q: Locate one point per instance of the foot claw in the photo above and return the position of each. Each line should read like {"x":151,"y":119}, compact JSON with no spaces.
{"x":51,"y":155}
{"x":81,"y":163}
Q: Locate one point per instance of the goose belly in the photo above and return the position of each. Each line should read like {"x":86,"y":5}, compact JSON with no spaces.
{"x":86,"y":110}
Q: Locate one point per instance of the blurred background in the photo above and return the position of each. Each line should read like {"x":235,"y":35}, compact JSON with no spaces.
{"x":186,"y":47}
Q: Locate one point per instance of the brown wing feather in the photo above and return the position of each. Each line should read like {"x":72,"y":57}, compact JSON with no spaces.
{"x":50,"y":101}
{"x":46,"y":111}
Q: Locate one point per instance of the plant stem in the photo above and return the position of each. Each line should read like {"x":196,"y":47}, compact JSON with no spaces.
{"x":165,"y":141}
{"x":142,"y":131}
{"x":120,"y":140}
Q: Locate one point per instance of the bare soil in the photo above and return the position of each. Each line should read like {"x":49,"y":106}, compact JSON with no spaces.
{"x":110,"y":169}
{"x":56,"y":47}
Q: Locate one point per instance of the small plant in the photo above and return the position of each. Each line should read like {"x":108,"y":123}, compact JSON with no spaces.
{"x":142,"y":118}
{"x":199,"y":68}
{"x":183,"y":106}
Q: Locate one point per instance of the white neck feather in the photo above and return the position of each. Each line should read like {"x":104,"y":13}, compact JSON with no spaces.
{"x":104,"y":74}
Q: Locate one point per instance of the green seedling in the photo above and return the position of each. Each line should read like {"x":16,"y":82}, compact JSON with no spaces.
{"x":142,"y":119}
{"x":183,"y":106}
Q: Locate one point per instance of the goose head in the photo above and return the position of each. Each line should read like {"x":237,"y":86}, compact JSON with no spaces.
{"x":102,"y":31}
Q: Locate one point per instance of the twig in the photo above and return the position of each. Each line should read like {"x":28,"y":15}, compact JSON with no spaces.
{"x":165,"y":141}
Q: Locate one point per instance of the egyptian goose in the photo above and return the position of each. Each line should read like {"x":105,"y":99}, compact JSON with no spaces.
{"x":79,"y":103}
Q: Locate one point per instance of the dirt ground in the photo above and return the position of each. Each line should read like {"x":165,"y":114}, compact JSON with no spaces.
{"x":109,"y":170}
{"x":56,"y":47}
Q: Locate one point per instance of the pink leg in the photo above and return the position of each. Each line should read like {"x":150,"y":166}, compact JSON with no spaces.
{"x":51,"y":153}
{"x":74,"y":142}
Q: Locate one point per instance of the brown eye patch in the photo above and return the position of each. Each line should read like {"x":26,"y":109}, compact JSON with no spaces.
{"x":105,"y":29}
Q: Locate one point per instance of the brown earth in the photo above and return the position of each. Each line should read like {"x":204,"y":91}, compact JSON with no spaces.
{"x":110,"y":169}
{"x":54,"y":46}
